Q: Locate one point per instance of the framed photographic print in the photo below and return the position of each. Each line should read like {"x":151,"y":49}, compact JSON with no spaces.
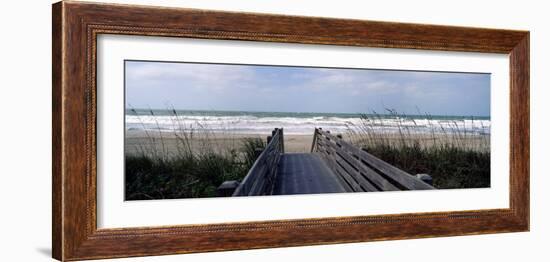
{"x":181,"y":130}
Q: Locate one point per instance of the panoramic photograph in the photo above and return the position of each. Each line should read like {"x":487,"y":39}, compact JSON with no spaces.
{"x":198,"y":130}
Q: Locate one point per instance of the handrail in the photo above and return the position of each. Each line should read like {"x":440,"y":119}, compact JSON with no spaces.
{"x":360,"y":171}
{"x":260,"y":179}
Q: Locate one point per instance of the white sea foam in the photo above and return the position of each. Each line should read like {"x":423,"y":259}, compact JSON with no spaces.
{"x":249,"y":124}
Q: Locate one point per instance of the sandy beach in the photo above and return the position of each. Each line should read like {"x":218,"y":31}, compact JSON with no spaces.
{"x":137,"y":139}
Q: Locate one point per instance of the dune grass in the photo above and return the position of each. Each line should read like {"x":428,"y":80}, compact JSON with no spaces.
{"x":191,"y":171}
{"x":452,"y":155}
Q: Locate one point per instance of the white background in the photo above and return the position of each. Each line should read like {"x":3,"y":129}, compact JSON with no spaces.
{"x":25,"y":136}
{"x":114,"y":212}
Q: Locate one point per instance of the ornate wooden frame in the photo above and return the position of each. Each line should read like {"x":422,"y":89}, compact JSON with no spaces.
{"x":76,"y":26}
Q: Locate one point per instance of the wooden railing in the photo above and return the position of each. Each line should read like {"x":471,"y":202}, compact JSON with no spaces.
{"x":360,"y":171}
{"x":261,"y":177}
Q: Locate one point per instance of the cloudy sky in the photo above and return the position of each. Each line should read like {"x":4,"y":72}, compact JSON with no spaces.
{"x":161,"y":85}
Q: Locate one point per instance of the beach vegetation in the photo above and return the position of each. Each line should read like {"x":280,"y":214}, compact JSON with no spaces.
{"x":195,"y":168}
{"x":452,"y":154}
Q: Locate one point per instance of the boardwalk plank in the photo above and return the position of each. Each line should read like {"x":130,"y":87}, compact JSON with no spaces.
{"x":305,"y":174}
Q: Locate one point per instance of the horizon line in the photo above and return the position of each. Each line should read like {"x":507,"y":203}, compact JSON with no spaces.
{"x":303,"y":112}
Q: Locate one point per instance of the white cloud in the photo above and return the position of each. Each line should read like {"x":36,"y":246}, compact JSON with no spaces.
{"x":192,"y":85}
{"x":210,"y":76}
{"x":347,"y":82}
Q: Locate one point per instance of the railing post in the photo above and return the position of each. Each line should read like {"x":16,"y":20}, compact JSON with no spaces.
{"x":425,"y":178}
{"x":282,"y":141}
{"x":227,"y":188}
{"x":257,"y":152}
{"x":269,"y":139}
{"x":314,"y":140}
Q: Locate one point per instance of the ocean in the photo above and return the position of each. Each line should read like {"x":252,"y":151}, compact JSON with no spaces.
{"x":296,"y":122}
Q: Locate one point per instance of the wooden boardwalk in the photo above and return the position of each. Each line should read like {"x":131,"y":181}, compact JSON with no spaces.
{"x":305,"y":174}
{"x":332,"y":166}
